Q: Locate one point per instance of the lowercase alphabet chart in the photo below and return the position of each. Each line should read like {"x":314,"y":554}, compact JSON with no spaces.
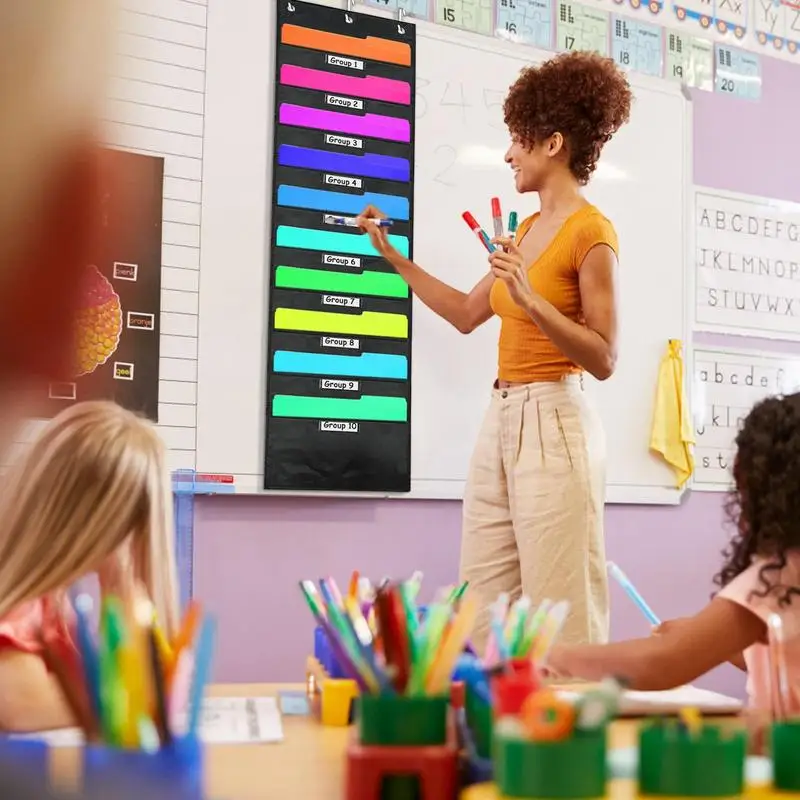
{"x":339,"y":394}
{"x":727,"y":383}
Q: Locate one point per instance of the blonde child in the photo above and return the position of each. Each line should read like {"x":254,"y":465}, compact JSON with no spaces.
{"x":91,"y":495}
{"x":759,"y":577}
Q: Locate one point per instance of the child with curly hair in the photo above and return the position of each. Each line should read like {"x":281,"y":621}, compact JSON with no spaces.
{"x":533,"y":502}
{"x":760,"y":577}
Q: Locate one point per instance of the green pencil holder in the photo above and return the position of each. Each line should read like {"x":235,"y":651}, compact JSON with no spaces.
{"x":479,"y":719}
{"x":572,"y":768}
{"x":786,"y":756}
{"x":390,"y":720}
{"x":675,"y":762}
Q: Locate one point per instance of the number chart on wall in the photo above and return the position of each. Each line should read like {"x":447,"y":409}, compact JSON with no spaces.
{"x":116,"y":353}
{"x":339,"y":391}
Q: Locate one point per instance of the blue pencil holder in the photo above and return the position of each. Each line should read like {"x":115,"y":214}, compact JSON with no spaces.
{"x":26,"y":758}
{"x":174,"y":771}
{"x":325,"y":655}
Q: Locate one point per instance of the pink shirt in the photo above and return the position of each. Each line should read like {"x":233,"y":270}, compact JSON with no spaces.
{"x":740,"y":590}
{"x":19,"y":630}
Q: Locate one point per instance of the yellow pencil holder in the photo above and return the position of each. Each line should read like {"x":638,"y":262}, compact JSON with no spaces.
{"x":337,"y":700}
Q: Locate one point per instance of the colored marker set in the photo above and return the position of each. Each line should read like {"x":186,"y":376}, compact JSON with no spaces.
{"x":385,"y":643}
{"x":340,"y":332}
{"x":497,"y":225}
{"x":136,"y":696}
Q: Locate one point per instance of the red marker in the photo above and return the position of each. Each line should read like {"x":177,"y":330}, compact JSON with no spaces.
{"x":497,"y":218}
{"x":478,"y":231}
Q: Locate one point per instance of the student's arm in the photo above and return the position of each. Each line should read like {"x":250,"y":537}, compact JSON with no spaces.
{"x":719,"y":633}
{"x":464,"y":311}
{"x":670,"y":625}
{"x":30,"y":698}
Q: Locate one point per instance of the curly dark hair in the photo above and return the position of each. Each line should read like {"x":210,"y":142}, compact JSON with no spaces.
{"x":583,"y":96}
{"x":764,"y":505}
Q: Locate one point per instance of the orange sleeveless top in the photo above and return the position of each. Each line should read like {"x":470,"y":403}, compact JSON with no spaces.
{"x":526,"y":355}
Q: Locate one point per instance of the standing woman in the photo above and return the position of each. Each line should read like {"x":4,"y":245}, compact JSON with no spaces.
{"x":533,"y":504}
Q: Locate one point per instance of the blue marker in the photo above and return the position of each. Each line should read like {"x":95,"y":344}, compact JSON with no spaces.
{"x":622,"y":579}
{"x":352,"y":222}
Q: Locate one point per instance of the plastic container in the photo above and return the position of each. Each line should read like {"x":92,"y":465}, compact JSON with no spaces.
{"x":26,"y":758}
{"x":572,"y":768}
{"x":175,"y":771}
{"x":479,"y":719}
{"x":786,"y":756}
{"x":392,"y":720}
{"x":510,"y":690}
{"x":337,"y":696}
{"x":474,"y":767}
{"x":395,"y":721}
{"x":675,"y":762}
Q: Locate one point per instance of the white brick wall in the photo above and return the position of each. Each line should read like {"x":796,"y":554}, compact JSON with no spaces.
{"x":156,"y":107}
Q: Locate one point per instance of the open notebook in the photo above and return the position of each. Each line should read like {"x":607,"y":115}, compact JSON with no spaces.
{"x":643,"y":704}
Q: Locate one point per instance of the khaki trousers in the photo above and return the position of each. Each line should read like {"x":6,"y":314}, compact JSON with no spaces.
{"x":533,"y":507}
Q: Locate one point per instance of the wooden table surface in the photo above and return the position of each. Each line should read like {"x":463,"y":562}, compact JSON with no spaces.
{"x":307,"y":765}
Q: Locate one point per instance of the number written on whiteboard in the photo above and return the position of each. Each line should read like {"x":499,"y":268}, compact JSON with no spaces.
{"x":449,"y":155}
{"x":449,"y":15}
{"x":569,"y":42}
{"x":727,"y":85}
{"x":421,"y":104}
{"x":455,"y":95}
{"x":336,"y":426}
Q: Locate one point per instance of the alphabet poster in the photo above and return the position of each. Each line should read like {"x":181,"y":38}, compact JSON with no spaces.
{"x":747,"y":266}
{"x":339,"y":389}
{"x":727,"y":384}
{"x":116,"y":347}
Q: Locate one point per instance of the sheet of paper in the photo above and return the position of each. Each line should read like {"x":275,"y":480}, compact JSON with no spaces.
{"x":636,"y":704}
{"x":224,"y":720}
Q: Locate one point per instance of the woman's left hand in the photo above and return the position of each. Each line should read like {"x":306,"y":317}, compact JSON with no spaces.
{"x":508,"y":265}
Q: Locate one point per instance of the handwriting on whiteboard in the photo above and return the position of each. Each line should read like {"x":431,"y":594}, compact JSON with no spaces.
{"x":727,"y":384}
{"x":747,"y":266}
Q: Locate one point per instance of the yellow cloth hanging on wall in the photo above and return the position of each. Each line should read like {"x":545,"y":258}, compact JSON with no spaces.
{"x":672,"y":435}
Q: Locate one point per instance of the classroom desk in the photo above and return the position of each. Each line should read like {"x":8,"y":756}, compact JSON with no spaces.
{"x":308,"y":764}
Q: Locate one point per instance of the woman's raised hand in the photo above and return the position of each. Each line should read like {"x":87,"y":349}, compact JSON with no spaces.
{"x":377,"y":234}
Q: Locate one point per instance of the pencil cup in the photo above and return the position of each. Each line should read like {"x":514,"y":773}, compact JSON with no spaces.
{"x":786,"y":756}
{"x":511,"y":690}
{"x":708,"y":763}
{"x":479,"y":719}
{"x":391,"y":720}
{"x":26,"y":758}
{"x":325,"y":655}
{"x":337,"y":700}
{"x":574,"y":767}
{"x":174,"y":772}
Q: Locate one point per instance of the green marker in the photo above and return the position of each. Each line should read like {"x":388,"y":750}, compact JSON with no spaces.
{"x":513,"y":223}
{"x":534,"y":626}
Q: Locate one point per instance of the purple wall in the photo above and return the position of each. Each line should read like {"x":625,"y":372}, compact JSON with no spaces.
{"x":251,"y":551}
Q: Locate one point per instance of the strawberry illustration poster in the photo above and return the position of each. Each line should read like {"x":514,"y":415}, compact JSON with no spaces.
{"x":116,"y":344}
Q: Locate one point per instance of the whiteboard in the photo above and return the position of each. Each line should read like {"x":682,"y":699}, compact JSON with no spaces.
{"x":728,"y":382}
{"x":643,"y":186}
